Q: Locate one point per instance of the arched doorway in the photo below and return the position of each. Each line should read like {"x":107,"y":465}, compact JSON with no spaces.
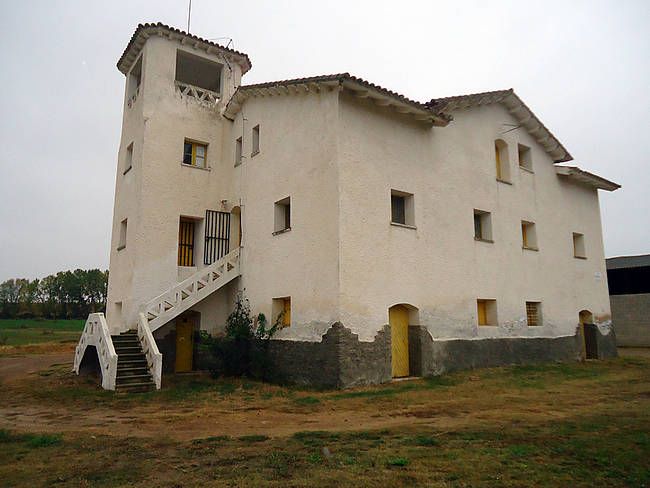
{"x":589,"y":334}
{"x":399,"y":317}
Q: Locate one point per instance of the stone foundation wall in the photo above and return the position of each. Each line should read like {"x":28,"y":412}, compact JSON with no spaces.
{"x":341,"y":360}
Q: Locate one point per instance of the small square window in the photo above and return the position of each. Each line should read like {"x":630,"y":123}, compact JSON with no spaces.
{"x":282,"y":311}
{"x":525,"y":160}
{"x":486,"y":311}
{"x":401,"y":208}
{"x":482,"y":225}
{"x":194,"y":154}
{"x":579,"y":246}
{"x":282,"y":215}
{"x":238,"y":151}
{"x":128,"y":159}
{"x":534,"y":313}
{"x":256,"y":140}
{"x":122,"y":241}
{"x":529,"y":235}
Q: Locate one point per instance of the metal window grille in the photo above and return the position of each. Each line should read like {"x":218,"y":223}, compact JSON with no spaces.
{"x":532,"y":313}
{"x":186,"y":243}
{"x":217,"y":235}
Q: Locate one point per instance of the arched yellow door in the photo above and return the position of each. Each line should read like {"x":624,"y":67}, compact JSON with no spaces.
{"x":398,"y":319}
{"x":184,"y":344}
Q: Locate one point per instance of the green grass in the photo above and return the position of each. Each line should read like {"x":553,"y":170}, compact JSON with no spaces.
{"x":20,"y":332}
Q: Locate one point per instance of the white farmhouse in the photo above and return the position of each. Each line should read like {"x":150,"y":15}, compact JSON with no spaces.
{"x":400,"y":238}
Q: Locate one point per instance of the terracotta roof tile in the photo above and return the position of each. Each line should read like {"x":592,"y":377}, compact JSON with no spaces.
{"x":159,"y":25}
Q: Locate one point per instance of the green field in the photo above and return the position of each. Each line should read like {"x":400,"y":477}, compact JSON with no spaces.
{"x":20,"y":332}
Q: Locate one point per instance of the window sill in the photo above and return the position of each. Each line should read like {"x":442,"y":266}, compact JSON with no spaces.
{"x":580,"y":257}
{"x":487,"y":325}
{"x":406,"y":226}
{"x":238,"y":164}
{"x":127,"y":170}
{"x":195,"y":167}
{"x":119,"y":248}
{"x":253,"y":154}
{"x":283,"y":231}
{"x":504,"y":181}
{"x":527,"y":248}
{"x":528,"y":170}
{"x":480,"y":239}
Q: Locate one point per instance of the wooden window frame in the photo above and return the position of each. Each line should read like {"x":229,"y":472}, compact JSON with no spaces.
{"x":486,"y":312}
{"x":528,"y":234}
{"x":194,"y":145}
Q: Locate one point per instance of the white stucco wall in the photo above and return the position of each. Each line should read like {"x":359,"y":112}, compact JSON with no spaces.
{"x":297,"y":159}
{"x":337,"y":157}
{"x":159,"y":189}
{"x":439,"y":267}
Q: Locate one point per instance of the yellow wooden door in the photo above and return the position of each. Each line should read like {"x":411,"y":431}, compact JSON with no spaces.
{"x":398,"y":318}
{"x":184,"y":344}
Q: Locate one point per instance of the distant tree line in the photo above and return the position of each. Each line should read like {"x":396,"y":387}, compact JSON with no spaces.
{"x":67,"y":295}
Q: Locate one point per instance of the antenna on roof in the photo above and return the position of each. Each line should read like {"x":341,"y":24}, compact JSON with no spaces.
{"x":189,"y":13}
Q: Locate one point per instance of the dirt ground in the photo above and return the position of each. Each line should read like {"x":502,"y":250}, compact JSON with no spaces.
{"x":41,"y":396}
{"x":189,"y":407}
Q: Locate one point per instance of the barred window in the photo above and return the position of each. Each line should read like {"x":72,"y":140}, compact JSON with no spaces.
{"x":533,"y":313}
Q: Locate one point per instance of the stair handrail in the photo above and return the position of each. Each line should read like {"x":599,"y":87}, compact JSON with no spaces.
{"x":150,"y":349}
{"x":173,"y":294}
{"x":96,"y":333}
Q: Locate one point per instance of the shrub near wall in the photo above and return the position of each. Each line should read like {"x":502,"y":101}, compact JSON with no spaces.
{"x":244,"y":348}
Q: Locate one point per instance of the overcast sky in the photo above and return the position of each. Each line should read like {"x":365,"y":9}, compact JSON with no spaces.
{"x":582,"y":67}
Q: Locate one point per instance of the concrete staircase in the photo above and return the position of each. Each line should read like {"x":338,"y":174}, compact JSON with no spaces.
{"x":132,"y":370}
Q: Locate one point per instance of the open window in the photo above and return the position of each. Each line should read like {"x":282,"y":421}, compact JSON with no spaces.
{"x":579,"y":246}
{"x":238,"y":151}
{"x":195,"y":153}
{"x":525,"y":159}
{"x":199,"y":73}
{"x":282,"y":309}
{"x":256,"y":140}
{"x":128,"y":159}
{"x":402,"y":210}
{"x":282,"y":216}
{"x":486,"y":311}
{"x":529,"y":235}
{"x":502,"y":161}
{"x":121,"y":243}
{"x":482,"y":225}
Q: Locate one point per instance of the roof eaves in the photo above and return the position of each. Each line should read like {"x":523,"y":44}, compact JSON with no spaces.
{"x":344,"y":80}
{"x":520,"y":111}
{"x":143,"y":31}
{"x":586,"y":178}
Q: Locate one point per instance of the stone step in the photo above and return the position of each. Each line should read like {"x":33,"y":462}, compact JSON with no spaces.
{"x":123,"y":373}
{"x":141,"y":378}
{"x":127,"y":349}
{"x":132,"y":355}
{"x":136,"y":387}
